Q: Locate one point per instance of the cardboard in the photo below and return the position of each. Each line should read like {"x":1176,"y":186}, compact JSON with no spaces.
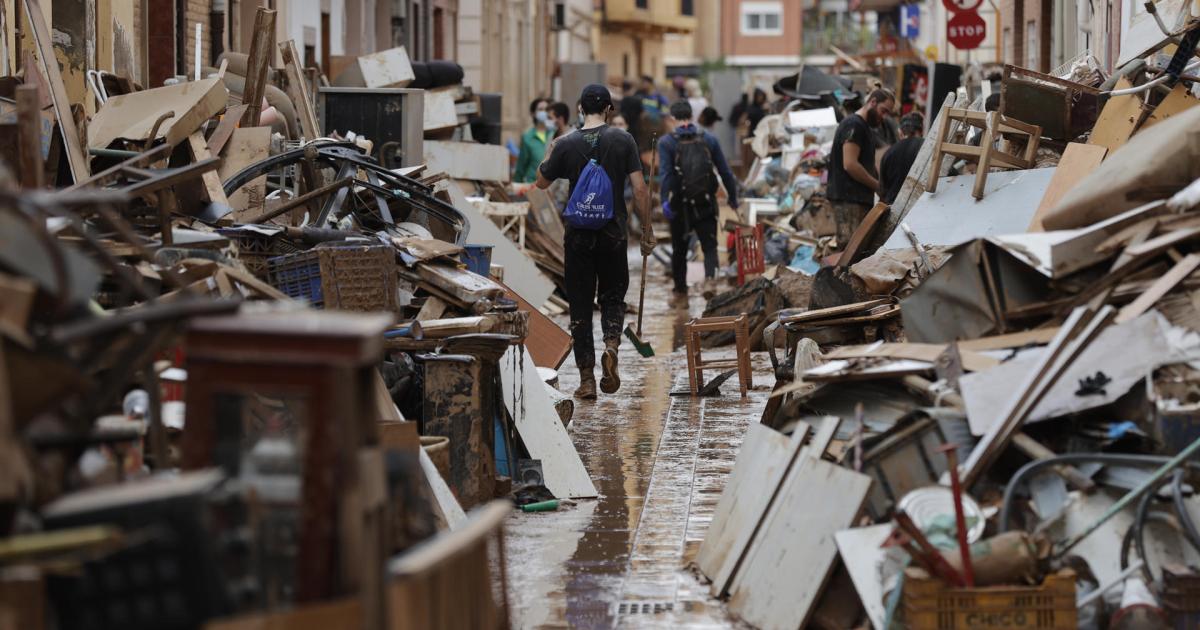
{"x":468,"y":160}
{"x":1077,"y":162}
{"x":132,"y":116}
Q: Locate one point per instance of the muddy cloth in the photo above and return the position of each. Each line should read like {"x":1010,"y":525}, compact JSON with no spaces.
{"x":596,"y":263}
{"x":760,"y":299}
{"x":848,"y":216}
{"x":706,"y":232}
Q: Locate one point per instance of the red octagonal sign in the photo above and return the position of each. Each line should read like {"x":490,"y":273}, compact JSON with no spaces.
{"x":966,"y":30}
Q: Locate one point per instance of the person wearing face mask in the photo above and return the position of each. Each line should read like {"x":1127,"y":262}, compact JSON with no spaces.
{"x":560,"y":116}
{"x":534,"y":141}
{"x":853,"y":179}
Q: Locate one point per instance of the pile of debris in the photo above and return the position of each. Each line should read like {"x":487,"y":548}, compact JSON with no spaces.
{"x":991,"y":395}
{"x":259,"y":363}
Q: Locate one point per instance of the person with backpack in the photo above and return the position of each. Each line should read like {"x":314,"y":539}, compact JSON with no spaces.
{"x":690,"y":160}
{"x":597,"y":160}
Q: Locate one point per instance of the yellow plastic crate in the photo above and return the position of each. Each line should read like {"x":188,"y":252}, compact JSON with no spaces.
{"x":931,"y":605}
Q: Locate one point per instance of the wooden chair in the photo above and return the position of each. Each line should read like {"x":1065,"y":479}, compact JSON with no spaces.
{"x":986,"y":155}
{"x":456,"y":580}
{"x":749,"y":249}
{"x":697,"y":364}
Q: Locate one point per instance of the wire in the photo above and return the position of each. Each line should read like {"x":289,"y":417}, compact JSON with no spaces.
{"x":1146,"y":86}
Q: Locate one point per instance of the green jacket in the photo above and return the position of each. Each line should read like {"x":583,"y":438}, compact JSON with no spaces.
{"x":531,"y":154}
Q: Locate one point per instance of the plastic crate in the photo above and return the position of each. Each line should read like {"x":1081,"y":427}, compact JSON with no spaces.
{"x":931,"y":605}
{"x":348,"y":278}
{"x":255,"y":250}
{"x":1180,"y":596}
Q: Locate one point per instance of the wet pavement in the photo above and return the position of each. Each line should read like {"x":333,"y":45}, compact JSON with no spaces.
{"x":659,"y":463}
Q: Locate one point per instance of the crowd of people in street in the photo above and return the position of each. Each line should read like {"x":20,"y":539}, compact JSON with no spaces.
{"x":616,"y":148}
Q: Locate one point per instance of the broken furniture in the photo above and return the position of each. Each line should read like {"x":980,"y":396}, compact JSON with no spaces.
{"x":509,"y":217}
{"x":749,"y":247}
{"x":697,"y":364}
{"x":995,"y":127}
{"x":1064,"y":110}
{"x":929,"y":603}
{"x":303,"y":378}
{"x":339,"y":276}
{"x":456,"y":580}
{"x":462,"y":403}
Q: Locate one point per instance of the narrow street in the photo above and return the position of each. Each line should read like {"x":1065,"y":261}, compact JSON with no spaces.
{"x":659,"y":463}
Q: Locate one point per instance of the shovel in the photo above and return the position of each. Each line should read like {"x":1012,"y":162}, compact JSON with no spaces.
{"x":643,"y":347}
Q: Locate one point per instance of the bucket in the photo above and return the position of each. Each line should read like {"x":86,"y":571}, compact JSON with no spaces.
{"x":437,"y":447}
{"x":478,"y":259}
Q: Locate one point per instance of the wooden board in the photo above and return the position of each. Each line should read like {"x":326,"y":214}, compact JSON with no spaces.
{"x":540,"y":427}
{"x":788,"y":563}
{"x":48,"y":61}
{"x":467,"y":160}
{"x":444,"y":501}
{"x":1117,"y":120}
{"x":386,"y":68}
{"x":439,"y":110}
{"x":246,"y":146}
{"x":344,"y":613}
{"x":1178,"y":101}
{"x":862,"y":233}
{"x":298,"y":90}
{"x":547,"y":342}
{"x":929,"y":352}
{"x":763,"y":460}
{"x":1161,"y":287}
{"x":211,"y":179}
{"x":862,"y":555}
{"x":1078,"y":161}
{"x":132,"y":116}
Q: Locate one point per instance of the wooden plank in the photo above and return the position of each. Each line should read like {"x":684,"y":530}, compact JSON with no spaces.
{"x":299,"y":91}
{"x":212,"y":181}
{"x":29,"y":137}
{"x":229,"y":121}
{"x":763,"y":460}
{"x":1118,"y":119}
{"x":1010,"y":340}
{"x":133,"y":116}
{"x":258,"y":62}
{"x":862,"y":554}
{"x":540,"y":427}
{"x":791,"y":558}
{"x":861,"y":234}
{"x":445,"y":504}
{"x":468,"y":160}
{"x":344,"y":613}
{"x":431,"y":309}
{"x":439,"y":110}
{"x":914,"y":183}
{"x":246,"y":146}
{"x":1161,"y":287}
{"x":48,"y":62}
{"x":1178,"y":101}
{"x":1078,"y":161}
{"x":547,"y":342}
{"x":929,"y":352}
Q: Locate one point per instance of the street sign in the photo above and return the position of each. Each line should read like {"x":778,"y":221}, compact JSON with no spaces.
{"x":966,"y":30}
{"x":910,"y":21}
{"x":961,"y":6}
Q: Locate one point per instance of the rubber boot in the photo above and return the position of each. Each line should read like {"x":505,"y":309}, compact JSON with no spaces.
{"x":610,"y":382}
{"x":587,"y":385}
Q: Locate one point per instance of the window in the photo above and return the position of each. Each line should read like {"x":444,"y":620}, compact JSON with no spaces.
{"x":687,"y":7}
{"x":642,"y":4}
{"x":762,"y":18}
{"x":1031,"y":44}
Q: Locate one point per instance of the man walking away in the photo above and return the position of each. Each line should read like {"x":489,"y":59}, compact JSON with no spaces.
{"x":689,"y":184}
{"x":601,"y":159}
{"x":899,"y":159}
{"x":852,"y":176}
{"x":533,"y":142}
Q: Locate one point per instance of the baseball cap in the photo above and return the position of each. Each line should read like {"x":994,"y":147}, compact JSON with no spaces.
{"x":595,"y":97}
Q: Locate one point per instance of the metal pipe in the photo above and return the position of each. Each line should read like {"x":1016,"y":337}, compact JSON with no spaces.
{"x":301,"y":200}
{"x":1133,"y":495}
{"x":1083,"y":601}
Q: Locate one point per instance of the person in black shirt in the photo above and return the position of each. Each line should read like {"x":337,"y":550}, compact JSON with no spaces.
{"x":852,"y":177}
{"x":596,"y":260}
{"x":899,"y":159}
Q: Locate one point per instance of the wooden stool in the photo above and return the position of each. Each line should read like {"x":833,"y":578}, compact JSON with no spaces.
{"x":986,"y":155}
{"x":749,"y":246}
{"x":740,"y":325}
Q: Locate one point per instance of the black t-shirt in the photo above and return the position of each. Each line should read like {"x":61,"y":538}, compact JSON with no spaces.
{"x":616,"y":152}
{"x":894,"y":167}
{"x":841,"y":186}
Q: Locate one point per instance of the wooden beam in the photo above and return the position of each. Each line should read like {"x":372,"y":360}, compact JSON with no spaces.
{"x":1182,"y":269}
{"x":76,"y":159}
{"x":212,"y":182}
{"x":257,"y":64}
{"x":29,"y":137}
{"x":298,"y":87}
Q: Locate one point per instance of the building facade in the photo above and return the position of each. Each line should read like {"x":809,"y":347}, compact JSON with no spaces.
{"x":630,"y":35}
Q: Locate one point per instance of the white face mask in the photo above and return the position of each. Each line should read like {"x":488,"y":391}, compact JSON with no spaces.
{"x":551,"y":124}
{"x":541,"y":116}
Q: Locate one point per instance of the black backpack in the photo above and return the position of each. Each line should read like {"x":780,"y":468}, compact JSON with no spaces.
{"x":696,"y":184}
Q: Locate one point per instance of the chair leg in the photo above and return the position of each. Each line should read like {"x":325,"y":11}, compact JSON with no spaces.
{"x":694,"y":374}
{"x":741,"y":337}
{"x":935,"y":167}
{"x":985,"y":155}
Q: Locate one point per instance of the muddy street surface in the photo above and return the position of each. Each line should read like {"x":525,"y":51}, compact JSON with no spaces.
{"x":659,"y":463}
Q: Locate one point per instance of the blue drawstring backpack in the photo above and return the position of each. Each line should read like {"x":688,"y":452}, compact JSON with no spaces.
{"x":591,"y":204}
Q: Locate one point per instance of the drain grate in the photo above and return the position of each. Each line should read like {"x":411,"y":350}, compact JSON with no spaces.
{"x":644,"y":608}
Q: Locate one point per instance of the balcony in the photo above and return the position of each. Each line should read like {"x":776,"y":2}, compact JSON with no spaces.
{"x":652,"y":16}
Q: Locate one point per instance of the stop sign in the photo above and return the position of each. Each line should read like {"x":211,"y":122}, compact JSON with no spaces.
{"x":966,"y":30}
